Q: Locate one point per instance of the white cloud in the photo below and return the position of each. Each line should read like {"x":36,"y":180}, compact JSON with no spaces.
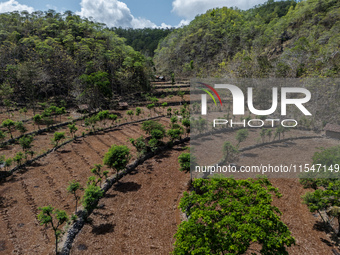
{"x":183,"y":22}
{"x":190,"y":8}
{"x":12,"y":5}
{"x":113,"y":13}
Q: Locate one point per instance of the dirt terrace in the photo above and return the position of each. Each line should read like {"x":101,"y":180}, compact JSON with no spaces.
{"x":305,"y":226}
{"x":43,"y":141}
{"x":45,"y":183}
{"x":139,"y":215}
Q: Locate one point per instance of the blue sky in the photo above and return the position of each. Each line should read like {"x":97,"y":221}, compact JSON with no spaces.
{"x":130,"y":13}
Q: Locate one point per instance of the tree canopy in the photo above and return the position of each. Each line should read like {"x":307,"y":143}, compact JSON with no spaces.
{"x":226,"y":216}
{"x":275,"y":39}
{"x":45,"y":54}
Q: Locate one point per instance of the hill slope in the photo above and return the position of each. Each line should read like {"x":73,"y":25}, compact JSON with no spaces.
{"x":48,"y":54}
{"x":276,"y":39}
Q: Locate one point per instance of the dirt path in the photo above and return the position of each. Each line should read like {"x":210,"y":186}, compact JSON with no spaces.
{"x":139,"y":215}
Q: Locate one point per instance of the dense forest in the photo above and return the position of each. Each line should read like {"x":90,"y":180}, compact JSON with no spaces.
{"x":52,"y":55}
{"x":144,"y":40}
{"x":275,"y":39}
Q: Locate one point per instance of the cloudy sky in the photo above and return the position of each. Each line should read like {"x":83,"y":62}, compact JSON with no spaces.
{"x":130,"y":13}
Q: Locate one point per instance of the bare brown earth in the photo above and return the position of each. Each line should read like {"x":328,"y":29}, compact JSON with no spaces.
{"x":140,"y":215}
{"x":208,"y":149}
{"x":137,"y":216}
{"x":44,"y":183}
{"x":305,"y":226}
{"x":42,"y":142}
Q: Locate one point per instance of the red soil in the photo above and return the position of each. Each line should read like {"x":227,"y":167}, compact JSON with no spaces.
{"x":44,"y":183}
{"x":137,"y":216}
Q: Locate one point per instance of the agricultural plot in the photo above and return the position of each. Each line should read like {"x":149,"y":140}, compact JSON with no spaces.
{"x":139,"y":215}
{"x":45,"y":182}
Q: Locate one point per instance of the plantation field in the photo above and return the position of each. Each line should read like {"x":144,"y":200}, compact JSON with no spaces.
{"x":140,"y":215}
{"x":44,"y":183}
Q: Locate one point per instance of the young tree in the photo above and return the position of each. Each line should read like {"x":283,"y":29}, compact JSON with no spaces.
{"x":2,"y":135}
{"x":181,"y":95}
{"x":54,"y":217}
{"x":91,"y":196}
{"x":37,"y":120}
{"x":150,"y":125}
{"x":18,"y":158}
{"x":9,"y":124}
{"x":20,"y":127}
{"x":117,"y":158}
{"x":263,"y":134}
{"x":184,"y":162}
{"x":98,"y":171}
{"x":169,"y":112}
{"x":130,"y":113}
{"x":73,"y":129}
{"x":138,"y":111}
{"x":26,"y":142}
{"x":269,"y":133}
{"x":241,"y":136}
{"x":113,"y":118}
{"x":230,"y":152}
{"x":140,"y":145}
{"x":8,"y":162}
{"x":150,"y":107}
{"x":186,"y":124}
{"x":73,"y":188}
{"x":58,"y":136}
{"x":60,"y":111}
{"x":8,"y":105}
{"x":173,"y":120}
{"x":23,"y":110}
{"x":103,"y":116}
{"x":91,"y":121}
{"x":278,"y":131}
{"x":172,"y":79}
{"x":165,"y":104}
{"x":174,"y":134}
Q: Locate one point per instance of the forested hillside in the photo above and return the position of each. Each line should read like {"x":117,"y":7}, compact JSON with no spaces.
{"x":276,"y":39}
{"x":48,"y":54}
{"x":144,"y":40}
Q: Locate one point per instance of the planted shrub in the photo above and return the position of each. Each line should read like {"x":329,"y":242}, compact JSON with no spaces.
{"x":186,"y":124}
{"x":113,"y":118}
{"x":9,"y":124}
{"x":20,"y":127}
{"x":92,"y":194}
{"x":73,"y":129}
{"x":98,"y":171}
{"x":18,"y":158}
{"x":184,"y":162}
{"x":138,"y":111}
{"x":2,"y":135}
{"x":26,"y":142}
{"x":58,"y":136}
{"x":73,"y":188}
{"x":117,"y":158}
{"x":150,"y":125}
{"x":37,"y":120}
{"x":174,"y":134}
{"x":130,"y":113}
{"x":55,"y":218}
{"x":140,"y":145}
